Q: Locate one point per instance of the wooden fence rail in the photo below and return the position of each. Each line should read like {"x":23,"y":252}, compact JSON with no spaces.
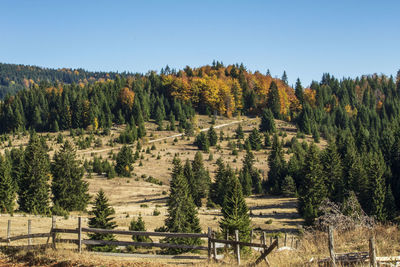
{"x":211,"y":247}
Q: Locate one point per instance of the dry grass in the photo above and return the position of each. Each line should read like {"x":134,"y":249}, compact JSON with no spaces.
{"x":133,"y":196}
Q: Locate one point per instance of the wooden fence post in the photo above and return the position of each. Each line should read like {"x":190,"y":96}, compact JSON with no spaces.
{"x":285,"y":242}
{"x":29,"y":232}
{"x":331,"y":245}
{"x":251,"y":236}
{"x":80,"y":234}
{"x":372,"y":252}
{"x":264,"y":239}
{"x":237,"y":247}
{"x":209,"y":236}
{"x":270,"y":240}
{"x":214,"y":247}
{"x":53,"y":234}
{"x":9,"y":230}
{"x":227,"y":238}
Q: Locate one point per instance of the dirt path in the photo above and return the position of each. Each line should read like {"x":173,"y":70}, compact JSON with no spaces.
{"x":161,"y":139}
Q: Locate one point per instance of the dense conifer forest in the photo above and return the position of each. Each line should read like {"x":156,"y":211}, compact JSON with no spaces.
{"x":359,"y":117}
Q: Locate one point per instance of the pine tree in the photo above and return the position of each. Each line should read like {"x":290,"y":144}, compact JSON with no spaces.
{"x":218,"y":188}
{"x":245,"y":181}
{"x":274,"y":100}
{"x":255,"y":139}
{"x":234,"y":210}
{"x":277,"y":167}
{"x":377,"y":189}
{"x":182,"y":213}
{"x":313,"y":190}
{"x":267,"y":122}
{"x":7,"y":187}
{"x":124,"y":161}
{"x":284,"y":77}
{"x":102,"y":219}
{"x":34,"y":182}
{"x":288,"y":187}
{"x":67,"y":178}
{"x":212,"y":136}
{"x":239,"y":132}
{"x":202,"y":142}
{"x":201,"y":182}
{"x":333,"y":172}
{"x":139,"y":225}
{"x":299,"y":91}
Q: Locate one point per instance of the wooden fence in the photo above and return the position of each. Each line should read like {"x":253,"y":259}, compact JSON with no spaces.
{"x":354,"y":258}
{"x":210,"y":236}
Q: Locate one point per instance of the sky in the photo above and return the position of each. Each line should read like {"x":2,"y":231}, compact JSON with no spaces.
{"x":346,"y":38}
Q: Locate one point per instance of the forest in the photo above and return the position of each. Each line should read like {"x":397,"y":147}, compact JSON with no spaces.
{"x":360,"y":119}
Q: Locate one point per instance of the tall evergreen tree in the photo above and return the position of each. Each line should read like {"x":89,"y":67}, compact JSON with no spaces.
{"x":298,"y":91}
{"x":34,"y":182}
{"x":7,"y":187}
{"x":377,"y":188}
{"x":124,"y":161}
{"x":182,"y":213}
{"x":102,"y":219}
{"x":68,"y":178}
{"x":201,"y":182}
{"x":277,"y":167}
{"x":255,"y":139}
{"x":274,"y":100}
{"x":139,"y":225}
{"x":313,"y":191}
{"x":239,"y":132}
{"x":234,"y":210}
{"x":333,"y":172}
{"x":212,"y":136}
{"x":202,"y":142}
{"x":218,"y":188}
{"x":267,"y":122}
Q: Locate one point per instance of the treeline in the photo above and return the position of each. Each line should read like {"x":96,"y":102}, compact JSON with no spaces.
{"x":172,"y":95}
{"x":94,"y":106}
{"x":14,"y":78}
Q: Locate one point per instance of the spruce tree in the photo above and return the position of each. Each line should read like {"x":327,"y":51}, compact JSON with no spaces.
{"x":313,"y":190}
{"x":288,"y":187}
{"x":267,"y":122}
{"x":7,"y":187}
{"x":333,"y":172}
{"x":234,"y":210}
{"x":212,"y":136}
{"x":68,"y":178}
{"x":255,"y":139}
{"x":299,"y":91}
{"x":377,"y":189}
{"x":239,"y":132}
{"x":202,"y":142}
{"x":139,"y":225}
{"x":182,"y":213}
{"x":102,"y":219}
{"x":277,"y":167}
{"x":218,"y":188}
{"x":201,"y":182}
{"x":34,"y":186}
{"x":274,"y":99}
{"x":124,"y":161}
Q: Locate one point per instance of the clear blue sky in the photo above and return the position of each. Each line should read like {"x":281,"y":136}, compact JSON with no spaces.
{"x":305,"y":38}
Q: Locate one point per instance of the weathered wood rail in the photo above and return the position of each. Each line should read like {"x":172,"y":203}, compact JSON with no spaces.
{"x":354,"y":258}
{"x":211,"y":248}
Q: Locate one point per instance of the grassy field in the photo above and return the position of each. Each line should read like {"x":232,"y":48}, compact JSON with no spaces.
{"x":133,"y":196}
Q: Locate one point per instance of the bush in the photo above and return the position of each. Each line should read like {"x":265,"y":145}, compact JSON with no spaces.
{"x":156,"y":212}
{"x":59,"y":211}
